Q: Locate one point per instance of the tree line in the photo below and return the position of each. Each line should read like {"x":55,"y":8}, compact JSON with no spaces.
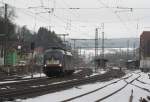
{"x":15,"y":35}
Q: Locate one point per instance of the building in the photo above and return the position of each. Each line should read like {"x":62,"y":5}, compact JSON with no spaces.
{"x":145,"y":51}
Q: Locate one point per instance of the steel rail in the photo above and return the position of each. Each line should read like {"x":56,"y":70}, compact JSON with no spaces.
{"x":127,"y":83}
{"x":73,"y":98}
{"x":34,"y":91}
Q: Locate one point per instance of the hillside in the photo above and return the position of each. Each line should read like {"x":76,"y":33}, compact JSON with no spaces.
{"x":109,"y":43}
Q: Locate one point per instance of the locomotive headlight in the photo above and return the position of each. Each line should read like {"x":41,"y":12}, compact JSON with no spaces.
{"x":45,"y":65}
{"x":60,"y":65}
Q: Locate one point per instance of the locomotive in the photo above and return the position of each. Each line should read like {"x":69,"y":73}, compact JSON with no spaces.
{"x":57,"y":62}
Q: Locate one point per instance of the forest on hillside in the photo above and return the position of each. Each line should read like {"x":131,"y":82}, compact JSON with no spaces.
{"x":12,"y":35}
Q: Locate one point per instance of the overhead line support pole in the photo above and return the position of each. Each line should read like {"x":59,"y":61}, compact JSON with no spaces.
{"x":64,"y":36}
{"x":6,"y":33}
{"x":102,"y":40}
{"x":96,"y":47}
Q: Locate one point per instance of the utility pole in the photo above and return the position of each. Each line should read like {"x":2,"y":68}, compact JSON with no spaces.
{"x":103,"y":41}
{"x":74,"y":43}
{"x":6,"y":6}
{"x":80,"y":51}
{"x":134,"y":51}
{"x":49,"y":12}
{"x":127,"y":50}
{"x":64,"y":36}
{"x":6,"y":36}
{"x":6,"y":33}
{"x":102,"y":26}
{"x":96,"y":42}
{"x":96,"y":47}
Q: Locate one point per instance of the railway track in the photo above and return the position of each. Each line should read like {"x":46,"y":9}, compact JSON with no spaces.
{"x":118,"y":89}
{"x":9,"y":81}
{"x":48,"y":87}
{"x":16,"y":78}
{"x":125,"y":79}
{"x":37,"y":82}
{"x":40,"y":80}
{"x":98,"y":89}
{"x":24,"y":83}
{"x":143,"y":82}
{"x":143,"y":88}
{"x":8,"y":87}
{"x":4,"y":78}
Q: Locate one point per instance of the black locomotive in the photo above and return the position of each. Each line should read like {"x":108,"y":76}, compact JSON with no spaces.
{"x":57,"y":62}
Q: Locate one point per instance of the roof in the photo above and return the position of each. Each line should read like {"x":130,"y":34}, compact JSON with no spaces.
{"x":145,"y":33}
{"x":59,"y":50}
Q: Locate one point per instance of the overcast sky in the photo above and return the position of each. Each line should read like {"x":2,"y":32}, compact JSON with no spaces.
{"x":81,"y":23}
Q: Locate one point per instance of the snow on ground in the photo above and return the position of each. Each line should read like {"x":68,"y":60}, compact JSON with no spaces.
{"x":137,"y":92}
{"x":121,"y":96}
{"x":62,"y":95}
{"x":127,"y":75}
{"x":101,"y":71}
{"x":115,"y":68}
{"x":23,"y":77}
{"x":77,"y":71}
{"x":133,"y":77}
{"x":62,"y":82}
{"x":145,"y":77}
{"x":134,"y":71}
{"x":3,"y":82}
{"x":101,"y":93}
{"x":147,"y":86}
{"x":35,"y":75}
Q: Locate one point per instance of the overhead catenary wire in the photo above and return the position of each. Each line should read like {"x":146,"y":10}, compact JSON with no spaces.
{"x":76,"y":8}
{"x":69,"y":21}
{"x":115,"y":15}
{"x":71,"y":8}
{"x":41,"y":17}
{"x":30,"y":13}
{"x":54,"y":14}
{"x":27,"y":12}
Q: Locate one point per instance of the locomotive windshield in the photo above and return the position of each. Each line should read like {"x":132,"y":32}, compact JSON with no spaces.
{"x":53,"y":57}
{"x":52,"y":60}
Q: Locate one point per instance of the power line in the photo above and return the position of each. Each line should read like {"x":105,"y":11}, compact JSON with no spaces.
{"x":30,"y":13}
{"x":51,"y":10}
{"x":27,"y":12}
{"x":76,"y":8}
{"x":70,"y":8}
{"x":68,"y":24}
{"x":115,"y":15}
